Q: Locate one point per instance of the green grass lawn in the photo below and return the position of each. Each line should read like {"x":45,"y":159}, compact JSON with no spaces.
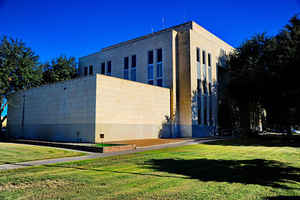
{"x":12,"y":153}
{"x":221,"y":170}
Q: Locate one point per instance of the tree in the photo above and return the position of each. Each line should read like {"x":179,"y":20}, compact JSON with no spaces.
{"x":264,"y":73}
{"x":18,"y":69}
{"x":60,"y":69}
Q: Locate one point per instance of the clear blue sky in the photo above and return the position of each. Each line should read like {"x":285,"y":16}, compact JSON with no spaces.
{"x":80,"y":27}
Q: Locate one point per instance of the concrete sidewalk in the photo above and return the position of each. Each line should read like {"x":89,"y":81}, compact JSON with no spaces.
{"x":101,"y":155}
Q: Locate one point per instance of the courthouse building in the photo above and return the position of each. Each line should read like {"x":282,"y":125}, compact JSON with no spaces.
{"x":159,"y":85}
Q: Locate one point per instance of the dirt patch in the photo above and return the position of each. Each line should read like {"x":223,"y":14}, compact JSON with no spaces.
{"x":149,"y":142}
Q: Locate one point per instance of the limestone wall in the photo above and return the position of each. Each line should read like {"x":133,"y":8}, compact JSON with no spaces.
{"x":130,"y":110}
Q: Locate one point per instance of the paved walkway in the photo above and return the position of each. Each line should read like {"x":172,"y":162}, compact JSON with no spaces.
{"x":101,"y":155}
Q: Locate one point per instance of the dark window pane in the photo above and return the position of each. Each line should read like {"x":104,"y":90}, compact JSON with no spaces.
{"x":150,"y":72}
{"x":91,"y":69}
{"x":133,"y":61}
{"x":203,"y":57}
{"x":199,"y":85}
{"x":198,"y":55}
{"x":150,"y":57}
{"x":150,"y":82}
{"x":199,"y":113}
{"x":160,"y":82}
{"x":109,"y":67}
{"x":133,"y":74}
{"x":209,"y":60}
{"x":159,"y":55}
{"x":102,"y":68}
{"x":85,"y":71}
{"x":126,"y":63}
{"x":205,"y":110}
{"x":126,"y":74}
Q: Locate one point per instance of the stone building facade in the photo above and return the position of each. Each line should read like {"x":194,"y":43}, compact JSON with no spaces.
{"x":183,"y":58}
{"x":160,"y":85}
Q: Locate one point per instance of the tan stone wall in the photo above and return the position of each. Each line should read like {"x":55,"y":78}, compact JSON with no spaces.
{"x":61,"y":112}
{"x":183,"y":83}
{"x":130,"y":110}
{"x":197,"y":38}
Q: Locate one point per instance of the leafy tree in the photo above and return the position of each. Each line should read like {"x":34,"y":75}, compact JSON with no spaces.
{"x":18,"y":69}
{"x":60,"y":69}
{"x":264,"y":73}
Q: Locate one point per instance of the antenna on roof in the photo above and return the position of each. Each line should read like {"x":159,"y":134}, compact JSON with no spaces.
{"x":163,"y":22}
{"x":152,"y":29}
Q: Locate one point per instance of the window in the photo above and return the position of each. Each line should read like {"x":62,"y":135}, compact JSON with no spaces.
{"x":209,"y":60}
{"x":133,"y":61}
{"x":198,"y":54}
{"x":150,"y":67}
{"x":126,"y":61}
{"x":199,"y":100}
{"x":209,"y":75}
{"x":85,"y":71}
{"x":150,"y":82}
{"x":159,"y":55}
{"x":150,"y":57}
{"x":150,"y":72}
{"x":210,"y":109}
{"x":159,"y":82}
{"x":198,"y":63}
{"x":108,"y":68}
{"x":203,"y":57}
{"x":205,"y":110}
{"x":133,"y":67}
{"x":91,"y":69}
{"x":204,"y":86}
{"x":126,"y":66}
{"x":159,"y":68}
{"x":102,"y":68}
{"x":133,"y":74}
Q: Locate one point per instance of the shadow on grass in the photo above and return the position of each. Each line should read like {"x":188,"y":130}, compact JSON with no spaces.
{"x":283,"y":198}
{"x":267,"y":141}
{"x":258,"y":171}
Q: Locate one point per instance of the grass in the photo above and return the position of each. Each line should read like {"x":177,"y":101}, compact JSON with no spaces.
{"x":13,"y":153}
{"x":107,"y":145}
{"x":221,"y":170}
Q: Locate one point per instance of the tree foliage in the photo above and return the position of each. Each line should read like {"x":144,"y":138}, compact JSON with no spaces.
{"x":18,"y":69}
{"x":264,"y":71}
{"x":60,"y":69}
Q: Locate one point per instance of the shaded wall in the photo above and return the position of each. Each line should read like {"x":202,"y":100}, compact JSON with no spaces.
{"x":58,"y":112}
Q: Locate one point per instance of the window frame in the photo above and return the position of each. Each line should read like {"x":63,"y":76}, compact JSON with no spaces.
{"x":102,"y":69}
{"x":108,"y":71}
{"x":91,"y":69}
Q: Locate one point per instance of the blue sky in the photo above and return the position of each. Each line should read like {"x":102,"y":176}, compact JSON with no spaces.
{"x":80,"y":27}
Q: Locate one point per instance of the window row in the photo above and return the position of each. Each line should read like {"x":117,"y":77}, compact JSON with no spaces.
{"x":88,"y":70}
{"x":203,"y":57}
{"x":209,"y":69}
{"x":106,"y":68}
{"x":205,"y":105}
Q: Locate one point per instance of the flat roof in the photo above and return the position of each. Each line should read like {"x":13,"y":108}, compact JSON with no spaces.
{"x":185,"y":26}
